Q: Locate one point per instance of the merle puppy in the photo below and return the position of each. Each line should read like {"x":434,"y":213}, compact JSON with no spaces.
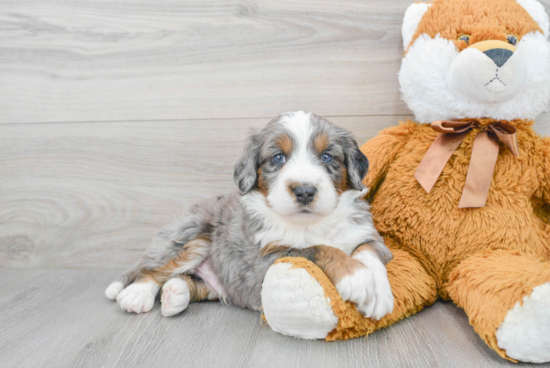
{"x":300,"y":194}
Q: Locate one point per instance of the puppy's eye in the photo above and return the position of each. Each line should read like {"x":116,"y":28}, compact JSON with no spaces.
{"x":465,"y":38}
{"x":512,"y":40}
{"x":279,"y":159}
{"x":326,"y":157}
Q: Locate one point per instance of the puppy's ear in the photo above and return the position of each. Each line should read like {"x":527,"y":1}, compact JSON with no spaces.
{"x":246,"y":169}
{"x":356,"y":162}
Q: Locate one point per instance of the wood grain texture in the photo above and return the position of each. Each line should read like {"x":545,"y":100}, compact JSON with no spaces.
{"x":90,"y":60}
{"x":60,"y":318}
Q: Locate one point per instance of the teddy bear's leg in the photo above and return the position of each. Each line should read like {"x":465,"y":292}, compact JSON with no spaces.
{"x":506,"y":296}
{"x":299,"y":300}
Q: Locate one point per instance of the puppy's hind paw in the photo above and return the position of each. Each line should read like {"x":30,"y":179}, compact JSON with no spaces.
{"x":175,"y":297}
{"x":114,"y":289}
{"x":138,"y":297}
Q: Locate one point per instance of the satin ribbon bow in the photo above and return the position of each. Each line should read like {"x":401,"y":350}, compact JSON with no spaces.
{"x":482,"y":162}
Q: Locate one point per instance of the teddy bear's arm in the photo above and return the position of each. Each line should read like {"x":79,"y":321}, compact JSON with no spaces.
{"x":546,"y":169}
{"x":382,"y":151}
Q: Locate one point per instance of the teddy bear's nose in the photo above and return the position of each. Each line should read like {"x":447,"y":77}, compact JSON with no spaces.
{"x":499,"y":56}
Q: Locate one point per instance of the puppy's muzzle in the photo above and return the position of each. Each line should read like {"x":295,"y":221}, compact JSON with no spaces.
{"x":305,"y":194}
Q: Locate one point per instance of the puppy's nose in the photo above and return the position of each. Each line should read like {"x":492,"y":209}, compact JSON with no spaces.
{"x":305,"y":193}
{"x":499,"y":56}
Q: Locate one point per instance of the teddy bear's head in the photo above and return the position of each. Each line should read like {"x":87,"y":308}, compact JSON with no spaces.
{"x":476,"y":58}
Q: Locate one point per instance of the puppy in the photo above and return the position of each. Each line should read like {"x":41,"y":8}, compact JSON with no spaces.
{"x":300,"y":182}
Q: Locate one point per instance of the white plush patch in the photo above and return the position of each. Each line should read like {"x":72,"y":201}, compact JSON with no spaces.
{"x":525,"y":332}
{"x":301,"y":168}
{"x":538,"y":13}
{"x":294,"y":303}
{"x":357,"y":288}
{"x":380,"y":301}
{"x":475,"y":76}
{"x":114,"y":289}
{"x":138,"y":297}
{"x":175,"y":297}
{"x":338,"y":229}
{"x":427,"y":72}
{"x":411,"y":20}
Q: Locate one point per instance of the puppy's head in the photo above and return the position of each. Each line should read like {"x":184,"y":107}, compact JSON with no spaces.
{"x":301,"y":163}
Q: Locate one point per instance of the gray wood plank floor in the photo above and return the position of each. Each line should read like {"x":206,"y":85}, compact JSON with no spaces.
{"x":60,"y":318}
{"x":115,"y":114}
{"x":105,"y":60}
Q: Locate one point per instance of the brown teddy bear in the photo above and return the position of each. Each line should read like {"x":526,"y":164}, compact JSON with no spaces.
{"x":462,"y":196}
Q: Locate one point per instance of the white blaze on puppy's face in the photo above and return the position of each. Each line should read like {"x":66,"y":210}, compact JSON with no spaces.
{"x":301,"y":178}
{"x":302,"y":168}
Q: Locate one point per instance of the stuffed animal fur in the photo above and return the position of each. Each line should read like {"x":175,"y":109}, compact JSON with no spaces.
{"x":492,"y":260}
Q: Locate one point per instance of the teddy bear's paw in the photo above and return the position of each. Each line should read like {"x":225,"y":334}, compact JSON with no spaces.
{"x":175,"y":297}
{"x":138,"y":297}
{"x":525,"y":332}
{"x":380,"y":301}
{"x":294,"y":303}
{"x":358,"y":288}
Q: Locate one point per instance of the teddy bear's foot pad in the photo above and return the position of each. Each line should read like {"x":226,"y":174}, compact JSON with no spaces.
{"x":294,"y":303}
{"x":525,"y":332}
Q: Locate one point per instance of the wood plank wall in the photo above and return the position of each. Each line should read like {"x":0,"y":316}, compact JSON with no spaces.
{"x":115,"y":114}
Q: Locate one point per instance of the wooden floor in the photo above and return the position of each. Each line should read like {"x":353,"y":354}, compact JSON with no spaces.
{"x":115,"y":114}
{"x":59,"y":318}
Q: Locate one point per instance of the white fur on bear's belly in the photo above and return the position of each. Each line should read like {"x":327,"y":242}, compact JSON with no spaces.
{"x":525,"y":332}
{"x":294,"y":303}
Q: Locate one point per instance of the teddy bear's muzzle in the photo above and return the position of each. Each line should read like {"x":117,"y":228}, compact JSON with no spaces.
{"x":489,"y":71}
{"x":498,"y":51}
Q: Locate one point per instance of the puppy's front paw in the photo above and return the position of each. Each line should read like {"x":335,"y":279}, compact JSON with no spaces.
{"x":175,"y":297}
{"x":138,"y":297}
{"x":381,"y":302}
{"x":357,"y":287}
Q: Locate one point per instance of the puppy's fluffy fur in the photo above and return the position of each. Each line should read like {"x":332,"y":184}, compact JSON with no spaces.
{"x":300,"y":194}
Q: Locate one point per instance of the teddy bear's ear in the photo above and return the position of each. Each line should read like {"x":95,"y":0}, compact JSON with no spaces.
{"x":412,"y":19}
{"x":538,"y":13}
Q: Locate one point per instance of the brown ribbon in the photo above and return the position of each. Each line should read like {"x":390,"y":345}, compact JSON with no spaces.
{"x":482,"y":162}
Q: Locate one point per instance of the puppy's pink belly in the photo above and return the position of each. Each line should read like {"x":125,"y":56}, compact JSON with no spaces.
{"x":205,"y":273}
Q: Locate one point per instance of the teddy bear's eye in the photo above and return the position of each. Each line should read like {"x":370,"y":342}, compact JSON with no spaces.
{"x":512,"y":40}
{"x":465,"y":38}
